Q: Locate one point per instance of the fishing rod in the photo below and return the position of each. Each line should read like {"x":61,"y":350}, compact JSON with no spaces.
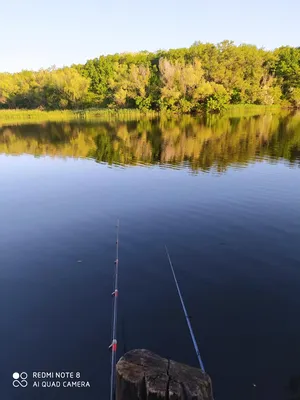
{"x":113,"y":345}
{"x":186,"y":314}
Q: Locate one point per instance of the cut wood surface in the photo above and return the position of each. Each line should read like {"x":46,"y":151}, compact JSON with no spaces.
{"x":143,"y":375}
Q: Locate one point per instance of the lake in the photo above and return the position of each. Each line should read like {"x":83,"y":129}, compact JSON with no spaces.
{"x":223,"y":193}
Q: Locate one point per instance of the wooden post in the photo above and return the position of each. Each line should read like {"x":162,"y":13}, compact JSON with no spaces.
{"x":143,"y":375}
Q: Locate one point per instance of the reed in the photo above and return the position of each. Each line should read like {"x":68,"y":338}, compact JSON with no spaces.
{"x":35,"y":116}
{"x":19,"y":116}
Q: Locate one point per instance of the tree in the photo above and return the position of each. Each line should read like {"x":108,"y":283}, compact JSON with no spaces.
{"x":204,"y":76}
{"x":66,"y":88}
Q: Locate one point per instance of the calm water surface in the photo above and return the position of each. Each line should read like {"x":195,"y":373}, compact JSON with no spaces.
{"x":223,"y":194}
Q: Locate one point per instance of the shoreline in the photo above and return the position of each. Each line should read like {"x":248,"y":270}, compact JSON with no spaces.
{"x":103,"y":114}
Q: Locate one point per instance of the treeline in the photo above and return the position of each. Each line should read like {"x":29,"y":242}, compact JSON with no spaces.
{"x":204,"y":143}
{"x":201,"y":77}
{"x":46,"y":89}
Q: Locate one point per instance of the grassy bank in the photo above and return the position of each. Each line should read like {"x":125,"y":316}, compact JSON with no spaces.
{"x":36,"y":116}
{"x":241,"y":110}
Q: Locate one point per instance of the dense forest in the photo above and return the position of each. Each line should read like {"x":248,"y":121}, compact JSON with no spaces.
{"x":201,"y":77}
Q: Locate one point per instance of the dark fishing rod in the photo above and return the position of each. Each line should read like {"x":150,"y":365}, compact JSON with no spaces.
{"x":113,"y":345}
{"x":186,"y":314}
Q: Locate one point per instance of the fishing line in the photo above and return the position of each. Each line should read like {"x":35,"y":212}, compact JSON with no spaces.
{"x":113,"y":345}
{"x":186,"y":314}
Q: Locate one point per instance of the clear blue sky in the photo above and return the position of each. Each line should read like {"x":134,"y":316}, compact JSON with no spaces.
{"x":38,"y":34}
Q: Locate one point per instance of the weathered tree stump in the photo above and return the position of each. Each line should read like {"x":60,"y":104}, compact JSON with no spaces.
{"x":143,"y":375}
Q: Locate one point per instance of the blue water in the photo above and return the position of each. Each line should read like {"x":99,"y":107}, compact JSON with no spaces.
{"x":234,"y":241}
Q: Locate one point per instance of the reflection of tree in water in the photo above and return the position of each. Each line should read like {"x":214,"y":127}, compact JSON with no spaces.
{"x":104,"y":150}
{"x":202,"y":143}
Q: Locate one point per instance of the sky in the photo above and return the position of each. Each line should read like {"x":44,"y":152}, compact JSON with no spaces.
{"x":39,"y":34}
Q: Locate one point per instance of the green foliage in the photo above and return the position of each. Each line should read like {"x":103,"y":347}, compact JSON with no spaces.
{"x":52,"y":89}
{"x":295,"y":97}
{"x":204,"y":76}
{"x":216,"y":102}
{"x":142,"y":103}
{"x":288,"y":68}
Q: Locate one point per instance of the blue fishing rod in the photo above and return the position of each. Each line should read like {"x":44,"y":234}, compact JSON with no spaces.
{"x":113,"y":345}
{"x":186,"y":314}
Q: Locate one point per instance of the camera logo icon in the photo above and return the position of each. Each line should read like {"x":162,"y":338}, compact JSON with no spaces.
{"x":20,"y":379}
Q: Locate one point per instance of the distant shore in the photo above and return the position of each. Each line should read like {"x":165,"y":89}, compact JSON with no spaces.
{"x":36,"y":116}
